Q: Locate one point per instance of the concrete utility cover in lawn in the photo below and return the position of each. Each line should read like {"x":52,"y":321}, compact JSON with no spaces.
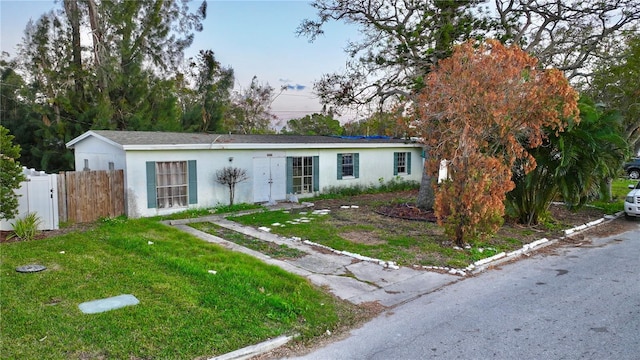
{"x":102,"y":305}
{"x":31,"y":268}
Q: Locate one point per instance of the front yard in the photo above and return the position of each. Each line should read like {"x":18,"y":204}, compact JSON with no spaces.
{"x":354,"y":224}
{"x":199,"y":300}
{"x":186,"y":311}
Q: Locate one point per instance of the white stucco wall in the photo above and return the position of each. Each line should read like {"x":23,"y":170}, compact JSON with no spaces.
{"x":98,"y":155}
{"x":374,"y":163}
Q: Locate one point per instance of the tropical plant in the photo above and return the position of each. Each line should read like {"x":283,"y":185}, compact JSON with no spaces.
{"x":502,"y":103}
{"x":26,"y":228}
{"x":576,"y":165}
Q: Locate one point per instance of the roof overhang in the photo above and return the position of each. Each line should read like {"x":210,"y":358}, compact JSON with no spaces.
{"x":89,"y":133}
{"x":262,"y":146}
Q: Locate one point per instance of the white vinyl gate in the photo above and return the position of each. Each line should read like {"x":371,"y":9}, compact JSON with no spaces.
{"x":39,"y":194}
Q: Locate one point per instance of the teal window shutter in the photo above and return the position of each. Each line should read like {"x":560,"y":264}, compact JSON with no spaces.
{"x":356,"y":165}
{"x":339,"y":170}
{"x":193,"y":182}
{"x":316,"y":173}
{"x":152,"y":201}
{"x":395,"y":163}
{"x":408,"y":163}
{"x":289,"y":175}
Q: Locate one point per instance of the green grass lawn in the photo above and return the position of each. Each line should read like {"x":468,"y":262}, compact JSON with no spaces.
{"x":184,"y":312}
{"x":619,"y":189}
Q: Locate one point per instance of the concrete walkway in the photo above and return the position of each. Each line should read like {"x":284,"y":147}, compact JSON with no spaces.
{"x":348,"y":278}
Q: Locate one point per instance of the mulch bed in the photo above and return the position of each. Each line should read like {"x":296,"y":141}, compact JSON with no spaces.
{"x":406,"y":211}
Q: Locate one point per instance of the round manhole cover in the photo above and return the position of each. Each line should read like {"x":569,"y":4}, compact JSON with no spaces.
{"x":30,"y":268}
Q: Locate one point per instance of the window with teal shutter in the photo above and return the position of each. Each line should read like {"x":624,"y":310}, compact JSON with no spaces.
{"x":348,"y":165}
{"x":356,"y":165}
{"x":395,"y":163}
{"x":316,"y":173}
{"x":401,"y":163}
{"x":171,"y":184}
{"x":289,"y":175}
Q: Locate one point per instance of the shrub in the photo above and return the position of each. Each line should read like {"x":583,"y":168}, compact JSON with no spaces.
{"x":27,"y":227}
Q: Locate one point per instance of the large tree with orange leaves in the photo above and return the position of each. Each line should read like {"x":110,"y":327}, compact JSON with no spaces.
{"x":481,"y":109}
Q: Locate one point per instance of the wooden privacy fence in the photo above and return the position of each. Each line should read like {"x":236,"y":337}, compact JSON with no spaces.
{"x":86,"y":196}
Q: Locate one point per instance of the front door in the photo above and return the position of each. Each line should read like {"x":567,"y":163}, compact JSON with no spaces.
{"x":269,"y":182}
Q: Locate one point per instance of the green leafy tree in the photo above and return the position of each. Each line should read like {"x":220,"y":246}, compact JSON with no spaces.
{"x":129,"y":82}
{"x":314,"y":124}
{"x":575,"y":165}
{"x":250,"y":111}
{"x":206,"y":105}
{"x":10,"y":175}
{"x":615,"y":84}
{"x":402,"y":40}
{"x":383,"y":123}
{"x":400,"y":43}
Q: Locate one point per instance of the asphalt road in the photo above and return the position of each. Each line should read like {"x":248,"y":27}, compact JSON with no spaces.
{"x":578,"y":303}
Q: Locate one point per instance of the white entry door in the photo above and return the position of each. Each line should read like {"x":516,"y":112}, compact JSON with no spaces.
{"x":269,"y":177}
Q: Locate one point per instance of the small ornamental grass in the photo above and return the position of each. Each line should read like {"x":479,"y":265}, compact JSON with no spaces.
{"x":26,"y":228}
{"x":186,"y":311}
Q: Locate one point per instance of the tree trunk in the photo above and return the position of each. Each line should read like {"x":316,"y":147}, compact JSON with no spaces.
{"x":99,"y":49}
{"x":73,"y":15}
{"x":231,"y":194}
{"x":426,"y":195}
{"x":606,"y":193}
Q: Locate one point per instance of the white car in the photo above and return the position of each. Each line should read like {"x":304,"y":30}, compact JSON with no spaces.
{"x":632,"y":202}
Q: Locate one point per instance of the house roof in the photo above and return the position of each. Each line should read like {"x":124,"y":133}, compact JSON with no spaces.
{"x":150,"y":140}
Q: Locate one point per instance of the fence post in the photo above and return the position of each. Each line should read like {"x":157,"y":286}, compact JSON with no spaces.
{"x":62,"y":197}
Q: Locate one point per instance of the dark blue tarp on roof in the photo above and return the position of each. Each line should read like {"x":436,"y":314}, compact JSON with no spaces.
{"x":362,"y":137}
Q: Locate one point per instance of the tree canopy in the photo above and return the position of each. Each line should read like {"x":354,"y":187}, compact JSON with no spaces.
{"x":401,"y":40}
{"x":314,"y":124}
{"x":10,"y":175}
{"x":615,"y":84}
{"x":481,"y":110}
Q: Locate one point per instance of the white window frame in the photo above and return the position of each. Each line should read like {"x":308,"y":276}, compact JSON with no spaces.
{"x":401,"y":163}
{"x":302,"y":176}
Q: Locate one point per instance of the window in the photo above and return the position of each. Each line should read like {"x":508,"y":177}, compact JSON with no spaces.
{"x":171,"y":184}
{"x":302,"y":174}
{"x":348,"y":165}
{"x":402,"y":163}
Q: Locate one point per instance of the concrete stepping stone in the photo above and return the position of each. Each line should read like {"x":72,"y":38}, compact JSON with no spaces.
{"x":107,"y":304}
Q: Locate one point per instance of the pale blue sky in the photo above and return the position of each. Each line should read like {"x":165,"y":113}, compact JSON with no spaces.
{"x":253,"y":37}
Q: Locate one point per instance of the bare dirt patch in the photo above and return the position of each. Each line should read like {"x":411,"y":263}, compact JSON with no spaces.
{"x":389,"y":212}
{"x":362,"y":237}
